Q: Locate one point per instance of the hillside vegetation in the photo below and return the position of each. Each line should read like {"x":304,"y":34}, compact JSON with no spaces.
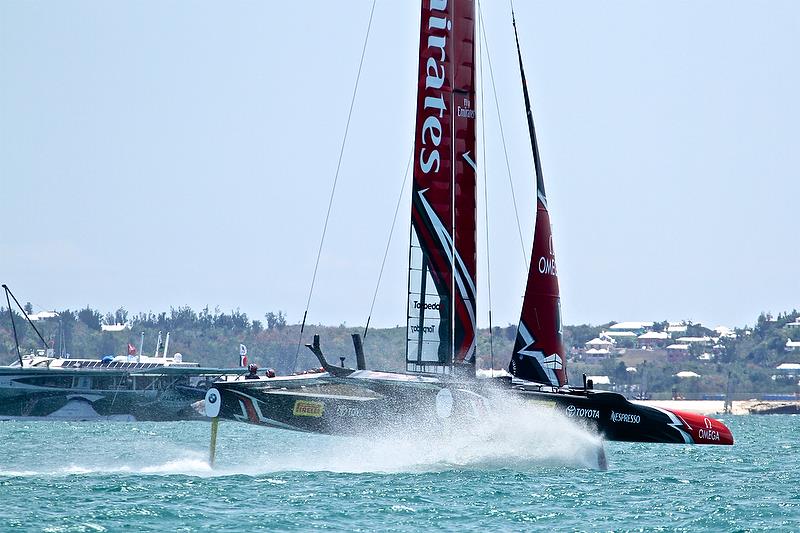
{"x":212,"y":339}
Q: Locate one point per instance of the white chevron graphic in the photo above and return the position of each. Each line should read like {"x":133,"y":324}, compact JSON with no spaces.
{"x":554,"y":362}
{"x":464,"y":283}
{"x":677,"y":424}
{"x":546,"y":363}
{"x":269,"y":421}
{"x":470,"y":162}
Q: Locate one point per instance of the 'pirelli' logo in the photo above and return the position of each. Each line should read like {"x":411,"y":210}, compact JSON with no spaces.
{"x":304,"y":408}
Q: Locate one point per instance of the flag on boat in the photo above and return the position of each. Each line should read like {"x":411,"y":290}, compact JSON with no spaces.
{"x":242,"y":355}
{"x":131,"y":349}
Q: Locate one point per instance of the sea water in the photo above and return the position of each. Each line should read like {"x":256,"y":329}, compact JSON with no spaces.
{"x":84,"y":476}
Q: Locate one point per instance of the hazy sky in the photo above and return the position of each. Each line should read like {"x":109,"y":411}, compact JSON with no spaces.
{"x":157,"y":154}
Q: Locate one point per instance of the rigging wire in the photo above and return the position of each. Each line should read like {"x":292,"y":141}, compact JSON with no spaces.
{"x":503,"y":137}
{"x":333,"y":189}
{"x":24,"y":313}
{"x":389,"y":241}
{"x":486,"y":204}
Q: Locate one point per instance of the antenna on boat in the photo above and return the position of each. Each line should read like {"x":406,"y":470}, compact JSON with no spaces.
{"x":359,"y":348}
{"x":62,"y":343}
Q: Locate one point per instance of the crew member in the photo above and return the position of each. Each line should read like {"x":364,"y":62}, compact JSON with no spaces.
{"x":252,"y":370}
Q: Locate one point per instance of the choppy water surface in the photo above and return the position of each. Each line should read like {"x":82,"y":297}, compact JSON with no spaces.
{"x":58,"y":476}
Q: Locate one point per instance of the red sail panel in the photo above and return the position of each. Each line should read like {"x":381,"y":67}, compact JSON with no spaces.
{"x":464,"y":166}
{"x":539,"y":350}
{"x":429,"y":334}
{"x":442,"y":263}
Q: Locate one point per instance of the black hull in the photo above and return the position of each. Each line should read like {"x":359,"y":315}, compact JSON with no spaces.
{"x":340,"y":406}
{"x":140,"y":406}
{"x":156,"y":395}
{"x":785,"y":409}
{"x":350,"y":405}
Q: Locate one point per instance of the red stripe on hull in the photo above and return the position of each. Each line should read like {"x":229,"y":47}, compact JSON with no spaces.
{"x":704,"y":429}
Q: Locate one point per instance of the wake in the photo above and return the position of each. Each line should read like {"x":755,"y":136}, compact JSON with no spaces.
{"x":521,"y":437}
{"x":514,"y":435}
{"x":509,"y":434}
{"x":195,"y":463}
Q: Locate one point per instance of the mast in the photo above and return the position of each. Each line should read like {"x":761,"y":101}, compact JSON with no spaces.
{"x":442,"y":263}
{"x":538,"y":349}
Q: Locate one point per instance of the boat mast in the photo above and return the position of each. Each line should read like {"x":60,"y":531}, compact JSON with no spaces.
{"x":13,"y":325}
{"x":531,"y":128}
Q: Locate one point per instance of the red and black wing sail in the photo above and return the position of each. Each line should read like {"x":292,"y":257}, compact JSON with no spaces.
{"x":539,"y":350}
{"x":441,"y":303}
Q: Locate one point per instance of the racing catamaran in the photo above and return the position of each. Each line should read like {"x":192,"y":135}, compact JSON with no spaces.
{"x":440,"y":385}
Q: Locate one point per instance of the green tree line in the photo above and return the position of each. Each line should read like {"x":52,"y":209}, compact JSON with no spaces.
{"x":212,"y":338}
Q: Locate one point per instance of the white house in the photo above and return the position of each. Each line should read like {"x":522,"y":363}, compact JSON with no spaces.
{"x":725,"y":331}
{"x":675,"y":351}
{"x":786,"y":371}
{"x":795,"y":324}
{"x":653,"y":339}
{"x":704,"y":341}
{"x":113,"y":327}
{"x":599,"y":344}
{"x":792,"y":346}
{"x":619,"y":334}
{"x":42,"y":315}
{"x":677,"y":329}
{"x":594,"y":354}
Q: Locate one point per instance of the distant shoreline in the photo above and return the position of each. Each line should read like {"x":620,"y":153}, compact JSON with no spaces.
{"x":717,"y":407}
